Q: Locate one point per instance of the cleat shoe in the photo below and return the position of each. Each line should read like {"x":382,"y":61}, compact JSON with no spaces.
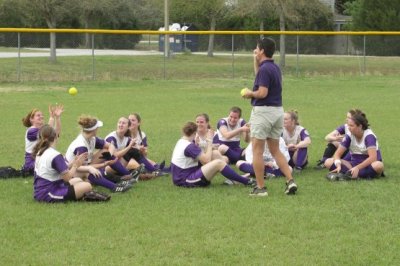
{"x":291,"y":187}
{"x":260,"y":192}
{"x":135,"y":175}
{"x":346,"y":176}
{"x":319,"y":166}
{"x":161,"y":165}
{"x":297,"y":170}
{"x":159,"y":173}
{"x":332,"y":176}
{"x":123,"y":188}
{"x":166,"y":169}
{"x":96,"y":196}
{"x":127,"y":182}
{"x":269,"y":175}
{"x":252,"y":182}
{"x":228,"y":182}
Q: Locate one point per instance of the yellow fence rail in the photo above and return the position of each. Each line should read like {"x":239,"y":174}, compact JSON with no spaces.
{"x":218,"y":32}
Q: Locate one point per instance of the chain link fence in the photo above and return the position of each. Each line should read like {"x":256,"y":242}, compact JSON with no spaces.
{"x":25,"y":56}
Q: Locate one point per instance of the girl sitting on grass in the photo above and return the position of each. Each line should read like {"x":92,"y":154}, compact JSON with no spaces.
{"x":365,"y":157}
{"x":98,"y":164}
{"x":140,"y":140}
{"x":34,"y":120}
{"x":54,"y":181}
{"x":297,"y":140}
{"x":192,"y":167}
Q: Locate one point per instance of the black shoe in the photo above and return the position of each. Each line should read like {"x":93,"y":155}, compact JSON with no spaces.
{"x":135,"y":175}
{"x":260,"y":192}
{"x":332,"y":176}
{"x":320,"y":165}
{"x":291,"y":187}
{"x":161,"y":165}
{"x":122,"y":188}
{"x":159,"y":173}
{"x":96,"y":196}
{"x":251,"y":183}
{"x":346,"y":176}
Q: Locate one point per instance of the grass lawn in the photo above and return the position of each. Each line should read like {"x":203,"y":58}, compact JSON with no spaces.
{"x":156,"y":223}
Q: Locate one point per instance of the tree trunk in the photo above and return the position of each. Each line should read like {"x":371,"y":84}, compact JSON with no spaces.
{"x":87,"y":36}
{"x":261,"y":28}
{"x":53,"y":53}
{"x":53,"y":44}
{"x":282,"y":50}
{"x":210,"y":51}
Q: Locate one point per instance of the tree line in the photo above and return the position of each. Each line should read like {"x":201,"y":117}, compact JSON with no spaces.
{"x":205,"y":15}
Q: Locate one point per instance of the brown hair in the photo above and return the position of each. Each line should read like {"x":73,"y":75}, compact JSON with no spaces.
{"x":47,"y":135}
{"x":355,"y":111}
{"x":139,"y":119}
{"x":128,"y":132}
{"x":360,"y":119}
{"x":189,"y":129}
{"x":237,"y":110}
{"x":206,"y":117}
{"x":26,"y":121}
{"x":87,"y":121}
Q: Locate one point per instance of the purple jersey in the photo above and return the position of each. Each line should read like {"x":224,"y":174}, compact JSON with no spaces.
{"x":359,"y":149}
{"x":119,"y":143}
{"x":81,"y":145}
{"x":343,"y":129}
{"x":140,"y":139}
{"x":48,"y":184}
{"x":31,"y":138}
{"x":269,"y":76}
{"x":299,"y":134}
{"x":233,"y":142}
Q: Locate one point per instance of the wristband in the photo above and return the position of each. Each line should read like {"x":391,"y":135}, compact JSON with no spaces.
{"x":337,"y":162}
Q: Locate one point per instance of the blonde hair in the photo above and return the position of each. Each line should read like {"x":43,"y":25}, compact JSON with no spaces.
{"x":294,"y":115}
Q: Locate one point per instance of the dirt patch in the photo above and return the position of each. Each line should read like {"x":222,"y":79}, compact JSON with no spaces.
{"x":5,"y":88}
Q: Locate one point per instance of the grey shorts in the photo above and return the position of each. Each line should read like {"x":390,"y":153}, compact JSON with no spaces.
{"x":266,"y":122}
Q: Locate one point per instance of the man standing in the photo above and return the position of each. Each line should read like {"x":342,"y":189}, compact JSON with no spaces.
{"x":266,"y":121}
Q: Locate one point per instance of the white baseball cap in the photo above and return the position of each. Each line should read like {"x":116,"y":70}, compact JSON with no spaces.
{"x":97,"y":125}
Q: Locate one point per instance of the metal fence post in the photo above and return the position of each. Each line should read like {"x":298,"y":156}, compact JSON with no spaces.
{"x":297,"y":55}
{"x":165,"y":54}
{"x":19,"y":58}
{"x":233,"y":56}
{"x":93,"y":62}
{"x":364,"y":51}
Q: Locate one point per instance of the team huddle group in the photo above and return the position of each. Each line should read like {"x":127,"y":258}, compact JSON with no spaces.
{"x":279,"y":147}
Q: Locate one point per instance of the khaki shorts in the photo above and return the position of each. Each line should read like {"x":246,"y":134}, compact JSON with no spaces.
{"x":266,"y":122}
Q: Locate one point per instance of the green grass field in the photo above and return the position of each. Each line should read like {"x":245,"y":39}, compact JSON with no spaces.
{"x":156,"y":223}
{"x":186,"y":67}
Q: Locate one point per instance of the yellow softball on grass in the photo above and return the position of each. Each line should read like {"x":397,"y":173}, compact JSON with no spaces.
{"x":72,"y":91}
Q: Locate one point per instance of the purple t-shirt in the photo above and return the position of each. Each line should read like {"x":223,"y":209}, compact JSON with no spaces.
{"x":269,"y":76}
